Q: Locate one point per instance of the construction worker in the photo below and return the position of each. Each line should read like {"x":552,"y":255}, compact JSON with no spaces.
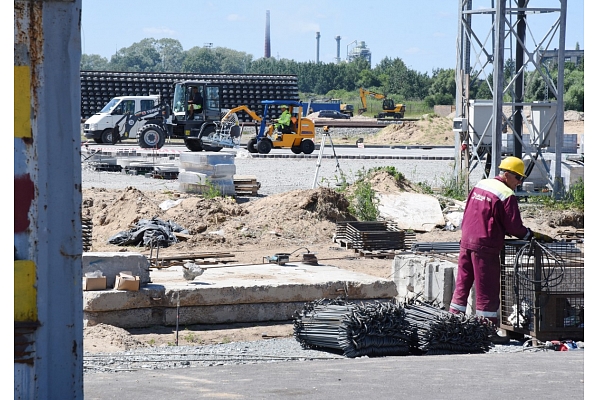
{"x":282,"y":124}
{"x":195,"y":102}
{"x":491,"y":212}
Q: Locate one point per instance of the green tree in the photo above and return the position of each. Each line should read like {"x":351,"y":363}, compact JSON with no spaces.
{"x":200,"y":60}
{"x":171,"y":54}
{"x":142,"y":56}
{"x":93,"y":62}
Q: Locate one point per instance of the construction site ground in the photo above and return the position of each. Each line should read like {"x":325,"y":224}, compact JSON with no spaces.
{"x":291,"y":222}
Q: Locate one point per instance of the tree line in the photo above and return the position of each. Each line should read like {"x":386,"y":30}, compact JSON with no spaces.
{"x":330,"y":80}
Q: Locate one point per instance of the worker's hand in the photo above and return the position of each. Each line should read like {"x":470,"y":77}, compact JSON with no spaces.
{"x":540,"y":237}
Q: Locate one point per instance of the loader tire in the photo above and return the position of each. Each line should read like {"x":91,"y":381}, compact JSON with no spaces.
{"x":296,"y":149}
{"x":264,"y":146}
{"x":151,"y":136}
{"x":307,"y":146}
{"x":193,"y":144}
{"x":251,"y":146}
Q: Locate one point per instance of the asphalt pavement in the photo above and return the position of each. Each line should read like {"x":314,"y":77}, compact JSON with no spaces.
{"x":521,"y":375}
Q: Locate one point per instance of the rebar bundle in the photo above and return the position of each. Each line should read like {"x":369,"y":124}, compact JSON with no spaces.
{"x":374,"y":329}
{"x":389,"y":329}
{"x":441,"y":332}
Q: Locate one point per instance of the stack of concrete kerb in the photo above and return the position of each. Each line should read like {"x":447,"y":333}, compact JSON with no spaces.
{"x":206,"y":172}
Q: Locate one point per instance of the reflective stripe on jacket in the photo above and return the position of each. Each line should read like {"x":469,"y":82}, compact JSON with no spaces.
{"x":491,"y":212}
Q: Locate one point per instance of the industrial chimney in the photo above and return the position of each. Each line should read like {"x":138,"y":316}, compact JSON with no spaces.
{"x":337,"y":58}
{"x":318,"y":37}
{"x":268,"y":36}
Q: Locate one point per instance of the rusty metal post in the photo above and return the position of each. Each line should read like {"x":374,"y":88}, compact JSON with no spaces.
{"x":48,"y":302}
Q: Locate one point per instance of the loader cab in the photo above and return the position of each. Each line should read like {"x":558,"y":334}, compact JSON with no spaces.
{"x":211,"y":96}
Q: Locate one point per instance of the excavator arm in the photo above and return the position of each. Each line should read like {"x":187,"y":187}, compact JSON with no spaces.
{"x":363,"y":98}
{"x":248,"y":111}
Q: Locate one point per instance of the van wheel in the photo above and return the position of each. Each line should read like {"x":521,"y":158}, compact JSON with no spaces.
{"x":106,"y":136}
{"x":151,"y":136}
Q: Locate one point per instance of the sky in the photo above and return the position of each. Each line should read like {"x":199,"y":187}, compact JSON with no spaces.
{"x":422,"y":34}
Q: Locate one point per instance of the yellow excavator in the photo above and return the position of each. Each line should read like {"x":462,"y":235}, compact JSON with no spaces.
{"x":389,"y":108}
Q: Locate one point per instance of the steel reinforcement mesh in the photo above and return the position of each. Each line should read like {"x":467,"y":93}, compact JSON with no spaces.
{"x":98,"y":87}
{"x":542,"y":289}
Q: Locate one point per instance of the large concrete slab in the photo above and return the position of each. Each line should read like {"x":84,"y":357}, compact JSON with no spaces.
{"x":415,"y":211}
{"x":223,"y":294}
{"x":112,"y":263}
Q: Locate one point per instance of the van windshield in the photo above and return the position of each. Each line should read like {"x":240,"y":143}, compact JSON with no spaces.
{"x":110,"y":105}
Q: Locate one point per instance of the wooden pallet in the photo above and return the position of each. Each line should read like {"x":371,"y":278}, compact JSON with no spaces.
{"x":381,"y":254}
{"x":207,"y":258}
{"x":246,"y":185}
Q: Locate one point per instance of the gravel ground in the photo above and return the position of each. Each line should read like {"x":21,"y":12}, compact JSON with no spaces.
{"x":278,"y":175}
{"x":266,"y":351}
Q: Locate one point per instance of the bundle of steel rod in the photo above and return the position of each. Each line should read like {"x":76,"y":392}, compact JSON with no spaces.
{"x":373,"y":329}
{"x":441,"y":332}
{"x":435,"y":247}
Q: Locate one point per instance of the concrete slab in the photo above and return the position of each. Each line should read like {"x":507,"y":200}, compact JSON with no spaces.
{"x":415,"y":211}
{"x":224,"y":294}
{"x":112,"y":263}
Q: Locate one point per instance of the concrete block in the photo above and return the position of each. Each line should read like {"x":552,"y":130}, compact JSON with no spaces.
{"x":426,"y":276}
{"x":111,"y":263}
{"x":408,"y":273}
{"x":416,"y":211}
{"x":439,"y":282}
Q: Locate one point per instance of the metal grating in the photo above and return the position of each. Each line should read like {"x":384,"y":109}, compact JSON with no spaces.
{"x":542,"y":289}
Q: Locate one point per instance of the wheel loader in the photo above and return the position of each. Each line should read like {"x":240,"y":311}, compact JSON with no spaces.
{"x":299,"y":138}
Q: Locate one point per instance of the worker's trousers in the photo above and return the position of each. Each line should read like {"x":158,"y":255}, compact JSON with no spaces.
{"x":483,"y":269}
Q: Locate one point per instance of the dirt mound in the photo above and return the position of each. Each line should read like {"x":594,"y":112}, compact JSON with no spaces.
{"x":429,"y":130}
{"x":300,"y":216}
{"x":108,"y":339}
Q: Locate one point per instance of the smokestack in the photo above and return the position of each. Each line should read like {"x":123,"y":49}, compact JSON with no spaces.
{"x":318,"y":37}
{"x":337,"y":58}
{"x":268,"y":36}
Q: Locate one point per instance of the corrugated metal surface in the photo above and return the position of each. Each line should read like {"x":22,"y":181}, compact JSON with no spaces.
{"x":48,"y":323}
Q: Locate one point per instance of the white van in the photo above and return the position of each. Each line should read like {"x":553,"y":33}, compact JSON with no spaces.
{"x":99,"y":126}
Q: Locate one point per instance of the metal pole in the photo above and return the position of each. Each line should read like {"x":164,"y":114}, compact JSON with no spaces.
{"x":314,"y":185}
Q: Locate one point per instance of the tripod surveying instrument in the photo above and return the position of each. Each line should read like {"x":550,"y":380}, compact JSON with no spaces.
{"x":321,"y":149}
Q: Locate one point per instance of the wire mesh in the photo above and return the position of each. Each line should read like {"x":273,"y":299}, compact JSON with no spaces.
{"x":542,"y":289}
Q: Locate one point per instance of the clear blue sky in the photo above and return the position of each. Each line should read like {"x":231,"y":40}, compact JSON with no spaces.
{"x":422,"y":34}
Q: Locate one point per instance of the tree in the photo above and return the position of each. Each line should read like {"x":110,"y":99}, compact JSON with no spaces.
{"x":93,"y":62}
{"x":200,"y":60}
{"x":171,"y":54}
{"x":142,"y":56}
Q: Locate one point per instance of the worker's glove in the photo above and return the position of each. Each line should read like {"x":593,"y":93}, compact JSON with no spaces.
{"x":540,"y":237}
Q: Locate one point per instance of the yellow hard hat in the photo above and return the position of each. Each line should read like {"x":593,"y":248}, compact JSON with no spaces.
{"x":283,"y":106}
{"x":513,"y":164}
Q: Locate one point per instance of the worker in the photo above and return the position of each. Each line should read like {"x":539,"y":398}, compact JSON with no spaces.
{"x":283,"y":122}
{"x":491,"y":212}
{"x":195,"y":102}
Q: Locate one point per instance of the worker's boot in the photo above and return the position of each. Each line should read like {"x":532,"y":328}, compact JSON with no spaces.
{"x":500,"y":337}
